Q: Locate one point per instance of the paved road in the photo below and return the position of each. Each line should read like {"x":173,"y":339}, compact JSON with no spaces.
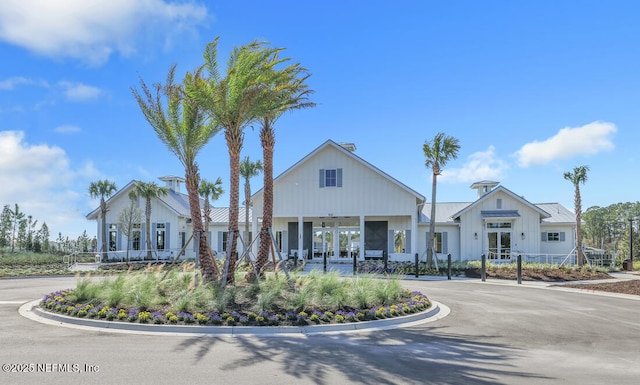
{"x":495,"y":334}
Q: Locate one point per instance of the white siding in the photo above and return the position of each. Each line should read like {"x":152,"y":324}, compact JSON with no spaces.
{"x":472,"y":222}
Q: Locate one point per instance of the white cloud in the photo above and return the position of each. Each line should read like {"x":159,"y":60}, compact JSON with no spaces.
{"x":92,"y":30}
{"x":67,"y":129}
{"x":479,"y":166}
{"x":569,"y":142}
{"x":13,"y":82}
{"x":40,"y":179}
{"x":78,"y":92}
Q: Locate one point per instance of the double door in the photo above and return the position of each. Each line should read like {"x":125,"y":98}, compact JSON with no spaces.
{"x":499,"y":242}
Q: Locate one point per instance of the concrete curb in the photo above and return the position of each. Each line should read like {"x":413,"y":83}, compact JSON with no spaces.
{"x":32,"y":311}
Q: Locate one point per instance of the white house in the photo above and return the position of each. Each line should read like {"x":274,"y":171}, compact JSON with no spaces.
{"x":170,"y":222}
{"x":333,"y":203}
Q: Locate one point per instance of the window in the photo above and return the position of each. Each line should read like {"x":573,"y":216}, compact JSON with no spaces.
{"x":498,"y":225}
{"x":160,"y":236}
{"x":399,"y":241}
{"x":331,"y":177}
{"x":437,"y":242}
{"x":136,"y":236}
{"x":113,"y":237}
{"x":183,"y":238}
{"x":279,"y":240}
{"x":499,"y":203}
{"x":553,"y":236}
{"x":225,"y":240}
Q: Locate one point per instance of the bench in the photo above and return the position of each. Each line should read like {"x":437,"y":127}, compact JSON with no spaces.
{"x":373,"y":254}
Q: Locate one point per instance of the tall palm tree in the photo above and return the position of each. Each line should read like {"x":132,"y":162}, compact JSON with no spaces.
{"x":206,"y":190}
{"x":103,"y":189}
{"x":185,"y":129}
{"x":288,"y":92}
{"x":234,"y":101}
{"x":437,"y":152}
{"x":579,"y":175}
{"x":248,"y":170}
{"x":148,"y":191}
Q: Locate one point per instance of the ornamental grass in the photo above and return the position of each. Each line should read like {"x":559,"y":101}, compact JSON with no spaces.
{"x":181,"y":296}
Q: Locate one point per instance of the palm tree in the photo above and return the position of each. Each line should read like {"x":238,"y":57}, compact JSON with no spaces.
{"x":103,"y":189}
{"x":185,"y":129}
{"x":437,"y":153}
{"x":288,"y":92}
{"x":248,"y":170}
{"x":579,"y":175}
{"x":148,"y":191}
{"x":234,"y":102}
{"x":206,"y":190}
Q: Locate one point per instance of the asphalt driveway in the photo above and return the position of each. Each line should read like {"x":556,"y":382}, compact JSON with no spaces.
{"x":495,"y":334}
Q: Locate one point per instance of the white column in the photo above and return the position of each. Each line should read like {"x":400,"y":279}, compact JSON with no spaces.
{"x":362,"y":235}
{"x":300,"y":236}
{"x":414,"y":234}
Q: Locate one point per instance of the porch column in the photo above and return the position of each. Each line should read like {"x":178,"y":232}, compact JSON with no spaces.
{"x":362,"y":235}
{"x":414,"y":234}
{"x":300,"y":235}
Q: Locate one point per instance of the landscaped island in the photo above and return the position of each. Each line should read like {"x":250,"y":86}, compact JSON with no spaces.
{"x":179,"y":296}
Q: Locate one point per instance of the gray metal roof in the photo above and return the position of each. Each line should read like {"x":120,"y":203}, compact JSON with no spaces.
{"x":178,"y":202}
{"x":499,"y":213}
{"x":220,"y":215}
{"x":446,"y":210}
{"x":559,"y":213}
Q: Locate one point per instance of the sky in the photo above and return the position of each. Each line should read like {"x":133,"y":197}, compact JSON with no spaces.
{"x":530,"y":89}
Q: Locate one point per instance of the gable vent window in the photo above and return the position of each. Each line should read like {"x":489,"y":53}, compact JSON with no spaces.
{"x":499,"y":203}
{"x":331,"y":177}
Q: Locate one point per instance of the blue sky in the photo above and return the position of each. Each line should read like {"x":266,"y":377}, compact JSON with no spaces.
{"x":531,"y":90}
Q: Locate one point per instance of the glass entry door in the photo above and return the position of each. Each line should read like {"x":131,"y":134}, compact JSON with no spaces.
{"x":499,"y":241}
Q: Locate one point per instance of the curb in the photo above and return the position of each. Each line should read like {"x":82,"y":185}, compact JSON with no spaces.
{"x":31,"y":311}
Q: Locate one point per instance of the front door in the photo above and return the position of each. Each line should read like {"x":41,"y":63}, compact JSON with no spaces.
{"x":499,"y":241}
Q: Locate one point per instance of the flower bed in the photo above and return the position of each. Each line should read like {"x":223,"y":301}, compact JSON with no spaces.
{"x":58,"y":302}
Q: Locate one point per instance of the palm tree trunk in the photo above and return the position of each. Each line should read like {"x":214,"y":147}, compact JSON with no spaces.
{"x":103,"y":209}
{"x":432,"y":219}
{"x":268,"y":143}
{"x":234,"y":143}
{"x":208,"y":266}
{"x":147,"y":214}
{"x":578,"y":204}
{"x":247,"y":197}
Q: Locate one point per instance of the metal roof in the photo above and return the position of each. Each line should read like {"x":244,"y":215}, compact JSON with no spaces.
{"x":220,"y":215}
{"x":499,"y":213}
{"x":559,"y":213}
{"x":446,"y":210}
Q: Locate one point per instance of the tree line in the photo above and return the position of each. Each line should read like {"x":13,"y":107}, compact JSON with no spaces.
{"x":19,"y":231}
{"x":609,"y":228}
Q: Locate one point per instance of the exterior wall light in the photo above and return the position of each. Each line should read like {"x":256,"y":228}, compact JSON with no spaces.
{"x":522,"y":235}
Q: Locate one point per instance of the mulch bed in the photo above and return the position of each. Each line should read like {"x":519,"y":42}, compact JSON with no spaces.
{"x":624,"y":287}
{"x":546,"y":275}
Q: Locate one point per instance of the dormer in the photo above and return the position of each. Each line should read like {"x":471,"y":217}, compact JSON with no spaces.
{"x":172,"y":182}
{"x":484,"y":187}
